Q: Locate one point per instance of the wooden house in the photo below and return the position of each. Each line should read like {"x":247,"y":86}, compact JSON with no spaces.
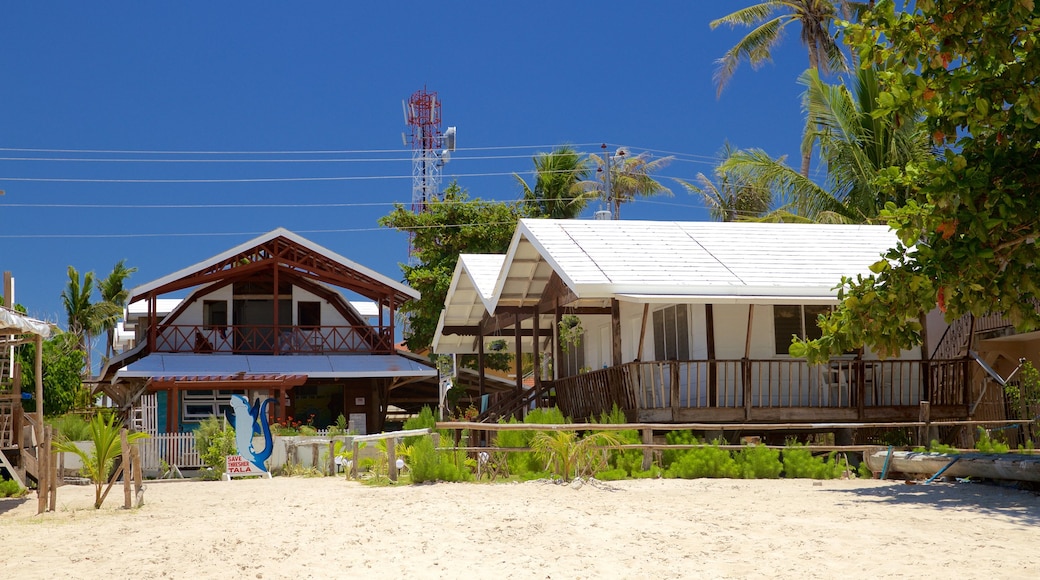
{"x":278,"y":316}
{"x":689,"y":322}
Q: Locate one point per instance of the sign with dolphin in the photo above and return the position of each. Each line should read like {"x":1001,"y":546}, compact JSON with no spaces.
{"x":249,"y":420}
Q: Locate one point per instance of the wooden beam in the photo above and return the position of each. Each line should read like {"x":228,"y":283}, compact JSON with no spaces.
{"x":615,"y":331}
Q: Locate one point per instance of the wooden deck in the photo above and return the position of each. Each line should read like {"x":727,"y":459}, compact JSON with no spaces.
{"x":762,"y":391}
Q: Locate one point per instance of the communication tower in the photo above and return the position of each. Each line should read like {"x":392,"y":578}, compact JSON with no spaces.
{"x":431,"y":149}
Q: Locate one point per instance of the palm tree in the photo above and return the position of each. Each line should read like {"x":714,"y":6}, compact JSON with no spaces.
{"x":730,"y":198}
{"x":112,"y":292}
{"x":566,"y":453}
{"x":98,"y":463}
{"x":855,"y":145}
{"x":85,"y":319}
{"x":769,"y":19}
{"x":629,"y":177}
{"x":557,"y":191}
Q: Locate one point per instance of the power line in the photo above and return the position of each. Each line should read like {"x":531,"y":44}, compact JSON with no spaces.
{"x":278,"y":152}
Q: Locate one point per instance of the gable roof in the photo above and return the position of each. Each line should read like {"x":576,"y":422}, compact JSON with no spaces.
{"x":311,"y":255}
{"x":660,"y":262}
{"x":605,"y":259}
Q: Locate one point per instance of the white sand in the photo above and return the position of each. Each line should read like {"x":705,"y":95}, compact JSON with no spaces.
{"x":325,"y":528}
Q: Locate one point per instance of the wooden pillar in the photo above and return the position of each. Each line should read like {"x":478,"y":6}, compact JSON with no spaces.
{"x":174,"y":409}
{"x":390,"y":335}
{"x":518,"y":353}
{"x":153,"y":322}
{"x":277,"y":330}
{"x":39,"y":387}
{"x":615,"y":332}
{"x":124,"y":447}
{"x":169,"y":410}
{"x":481,"y":383}
{"x":745,"y":363}
{"x":642,"y":332}
{"x":557,"y":351}
{"x":713,"y":371}
{"x":283,"y":404}
{"x":536,"y":351}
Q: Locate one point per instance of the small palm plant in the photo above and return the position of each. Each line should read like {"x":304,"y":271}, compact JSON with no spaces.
{"x":104,"y":434}
{"x":566,"y":453}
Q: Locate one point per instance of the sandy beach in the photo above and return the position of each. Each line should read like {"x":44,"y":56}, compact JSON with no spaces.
{"x":325,"y":528}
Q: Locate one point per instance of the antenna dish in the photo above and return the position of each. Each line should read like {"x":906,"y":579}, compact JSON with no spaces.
{"x":449,"y":139}
{"x":445,"y":157}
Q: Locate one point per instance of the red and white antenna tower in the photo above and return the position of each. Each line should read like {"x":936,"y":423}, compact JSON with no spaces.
{"x":431,"y":149}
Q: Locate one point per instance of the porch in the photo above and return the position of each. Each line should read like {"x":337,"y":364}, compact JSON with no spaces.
{"x":274,"y":339}
{"x":762,"y":391}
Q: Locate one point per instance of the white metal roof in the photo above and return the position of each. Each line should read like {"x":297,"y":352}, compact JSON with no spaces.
{"x":13,"y":322}
{"x":605,"y":258}
{"x":159,"y":365}
{"x":663,"y":262}
{"x":137,"y":292}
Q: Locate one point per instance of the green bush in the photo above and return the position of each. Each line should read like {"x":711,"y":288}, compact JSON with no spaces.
{"x":800,"y":462}
{"x":215,"y":441}
{"x":986,"y":444}
{"x":759,"y":462}
{"x":710,"y":461}
{"x":424,"y":420}
{"x":525,"y":464}
{"x":10,"y":488}
{"x":71,"y":427}
{"x":428,"y":464}
{"x":628,"y":460}
{"x":676,"y":438}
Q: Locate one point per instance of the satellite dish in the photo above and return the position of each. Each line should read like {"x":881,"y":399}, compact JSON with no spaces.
{"x":449,"y":139}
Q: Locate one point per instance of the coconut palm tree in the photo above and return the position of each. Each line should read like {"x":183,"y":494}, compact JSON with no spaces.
{"x":630,"y":177}
{"x":769,"y":19}
{"x":730,"y":198}
{"x":85,"y":318}
{"x":112,"y":292}
{"x":856,"y":146}
{"x":557,"y":191}
{"x":98,"y":463}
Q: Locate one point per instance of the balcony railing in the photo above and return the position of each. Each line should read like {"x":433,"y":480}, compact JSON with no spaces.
{"x":744,"y":389}
{"x":269,"y":339}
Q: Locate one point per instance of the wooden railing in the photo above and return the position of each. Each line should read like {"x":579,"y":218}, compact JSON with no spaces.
{"x":269,"y":339}
{"x":511,"y":404}
{"x":11,"y":420}
{"x":850,"y":384}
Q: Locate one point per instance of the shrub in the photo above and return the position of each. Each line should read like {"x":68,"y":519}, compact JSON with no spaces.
{"x":526,"y":464}
{"x":710,"y":461}
{"x":759,"y":462}
{"x":215,"y":441}
{"x":10,"y":488}
{"x":568,"y":454}
{"x":986,"y":444}
{"x":71,"y":427}
{"x":424,"y":420}
{"x":800,"y":462}
{"x":628,"y":460}
{"x":429,"y":464}
{"x":105,"y":433}
{"x":676,"y":438}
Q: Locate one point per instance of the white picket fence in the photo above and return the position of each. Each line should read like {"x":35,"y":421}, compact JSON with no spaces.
{"x":173,"y":448}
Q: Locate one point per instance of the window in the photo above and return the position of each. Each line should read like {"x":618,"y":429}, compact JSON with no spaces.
{"x":197,"y":405}
{"x":797,"y":321}
{"x":214,"y":313}
{"x":308,"y":315}
{"x":672,"y":333}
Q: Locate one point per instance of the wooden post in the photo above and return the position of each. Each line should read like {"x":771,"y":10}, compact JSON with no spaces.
{"x":125,"y":447}
{"x":135,"y":455}
{"x":642,"y":332}
{"x":41,"y":469}
{"x":713,"y":371}
{"x":331,"y":471}
{"x":648,"y":454}
{"x":535,"y":350}
{"x":517,"y":359}
{"x":926,"y":418}
{"x":56,"y":476}
{"x":39,"y":388}
{"x":354,"y":461}
{"x":615,"y":331}
{"x":391,"y":458}
{"x":673,"y":384}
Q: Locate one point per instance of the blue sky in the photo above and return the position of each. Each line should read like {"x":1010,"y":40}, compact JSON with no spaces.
{"x":89,"y":88}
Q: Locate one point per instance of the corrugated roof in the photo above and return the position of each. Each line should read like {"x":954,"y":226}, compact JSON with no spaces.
{"x":158,"y":365}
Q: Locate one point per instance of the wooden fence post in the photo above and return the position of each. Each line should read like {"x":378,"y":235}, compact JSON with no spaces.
{"x":125,"y":447}
{"x":648,"y":454}
{"x":924,"y":417}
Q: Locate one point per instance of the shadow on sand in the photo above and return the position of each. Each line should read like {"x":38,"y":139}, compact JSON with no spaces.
{"x":1020,"y":505}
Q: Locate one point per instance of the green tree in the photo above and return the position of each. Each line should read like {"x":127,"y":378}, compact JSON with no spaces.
{"x":113,"y":293}
{"x":969,"y":229}
{"x":98,"y":463}
{"x":630,"y":175}
{"x":62,"y":364}
{"x":769,"y":19}
{"x":450,"y":226}
{"x":85,"y":318}
{"x":730,"y":197}
{"x":857,"y":144}
{"x":557,"y":191}
{"x":570,"y":455}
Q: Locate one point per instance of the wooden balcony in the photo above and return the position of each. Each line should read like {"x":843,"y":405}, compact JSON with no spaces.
{"x":269,"y":339}
{"x":762,"y":391}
